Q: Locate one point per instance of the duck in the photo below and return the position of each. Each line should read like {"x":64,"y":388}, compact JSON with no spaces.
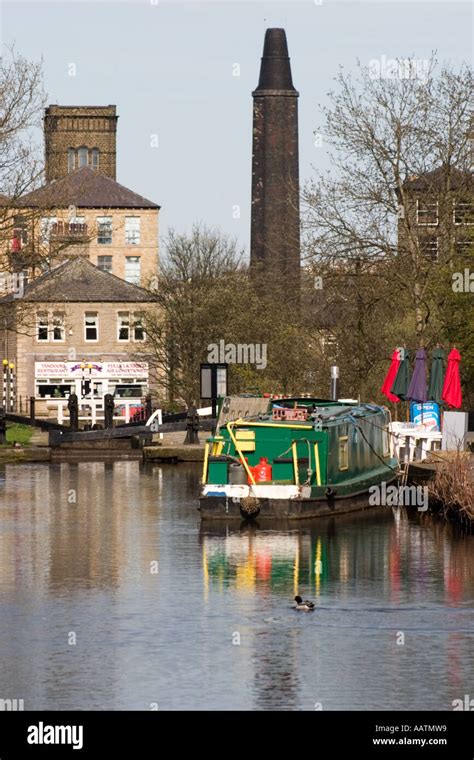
{"x":303,"y":606}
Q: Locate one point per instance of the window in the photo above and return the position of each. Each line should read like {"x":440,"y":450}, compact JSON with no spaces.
{"x":429,"y":247}
{"x":138,"y":327}
{"x":130,"y":326}
{"x":132,"y":230}
{"x":132,"y":269}
{"x":123,"y":325}
{"x":385,"y":442}
{"x":91,"y":326}
{"x":58,"y":326}
{"x":83,"y":157}
{"x":20,"y":233}
{"x":104,"y":230}
{"x":104,"y":263}
{"x":42,"y":327}
{"x":463,"y":212}
{"x":464,"y":246}
{"x":426,"y":213}
{"x":54,"y":391}
{"x":128,"y":391}
{"x":344,"y":452}
{"x":71,"y":160}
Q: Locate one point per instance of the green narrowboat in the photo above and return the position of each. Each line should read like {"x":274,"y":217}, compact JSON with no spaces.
{"x":300,"y":459}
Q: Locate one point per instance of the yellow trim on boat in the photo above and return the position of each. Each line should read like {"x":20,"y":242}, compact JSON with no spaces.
{"x":317,"y":464}
{"x":239,"y":452}
{"x":217,"y":446}
{"x":295,"y":463}
{"x":270,"y":424}
{"x":205,"y":463}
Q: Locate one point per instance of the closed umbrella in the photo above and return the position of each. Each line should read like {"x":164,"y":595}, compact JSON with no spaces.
{"x":400,"y":384}
{"x":390,"y":377}
{"x":435,"y":387}
{"x":417,"y":387}
{"x":451,"y":393}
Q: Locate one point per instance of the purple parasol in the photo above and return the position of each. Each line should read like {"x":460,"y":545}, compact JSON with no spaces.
{"x":417,"y":387}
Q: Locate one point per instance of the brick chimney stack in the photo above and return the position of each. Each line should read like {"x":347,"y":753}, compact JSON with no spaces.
{"x":275,"y":224}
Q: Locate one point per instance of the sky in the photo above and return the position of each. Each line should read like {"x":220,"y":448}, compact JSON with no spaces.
{"x":182,"y":74}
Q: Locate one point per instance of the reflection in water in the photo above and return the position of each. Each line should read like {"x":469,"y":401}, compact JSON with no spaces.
{"x":405,"y":557}
{"x":214,"y":628}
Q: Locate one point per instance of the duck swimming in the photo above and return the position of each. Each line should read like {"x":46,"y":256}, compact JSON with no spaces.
{"x":303,"y":606}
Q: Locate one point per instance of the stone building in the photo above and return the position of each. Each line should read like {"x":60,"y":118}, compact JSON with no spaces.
{"x":78,"y":136}
{"x":88,"y":213}
{"x":84,"y":246}
{"x":77,"y":329}
{"x":81,"y":209}
{"x":439,"y":206}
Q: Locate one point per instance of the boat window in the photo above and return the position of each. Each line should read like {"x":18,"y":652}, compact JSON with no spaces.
{"x":344,"y":452}
{"x":385,"y":442}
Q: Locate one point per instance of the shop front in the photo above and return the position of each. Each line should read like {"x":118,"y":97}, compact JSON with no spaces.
{"x":55,"y":381}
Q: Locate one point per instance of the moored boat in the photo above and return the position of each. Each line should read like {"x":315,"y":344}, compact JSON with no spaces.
{"x":301,"y":459}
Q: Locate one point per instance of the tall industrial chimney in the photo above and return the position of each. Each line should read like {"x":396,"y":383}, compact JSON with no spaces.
{"x":275,"y":225}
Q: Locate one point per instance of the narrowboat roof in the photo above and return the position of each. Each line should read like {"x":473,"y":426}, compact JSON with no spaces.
{"x":327,"y":412}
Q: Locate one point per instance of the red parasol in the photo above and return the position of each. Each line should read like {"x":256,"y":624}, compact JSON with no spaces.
{"x":451,"y":393}
{"x":390,"y":377}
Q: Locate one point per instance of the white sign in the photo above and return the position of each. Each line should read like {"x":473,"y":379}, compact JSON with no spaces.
{"x":126,"y":369}
{"x":91,"y":369}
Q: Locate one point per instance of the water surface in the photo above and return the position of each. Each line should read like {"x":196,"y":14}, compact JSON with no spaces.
{"x":166,"y":612}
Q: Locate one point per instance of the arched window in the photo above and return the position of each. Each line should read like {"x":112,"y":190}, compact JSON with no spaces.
{"x":94,"y":159}
{"x":83,"y":155}
{"x":71,"y":160}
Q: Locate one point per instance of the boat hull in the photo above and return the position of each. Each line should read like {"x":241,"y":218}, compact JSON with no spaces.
{"x":248,"y":508}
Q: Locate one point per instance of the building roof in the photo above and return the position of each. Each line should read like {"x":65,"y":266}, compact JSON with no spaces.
{"x":54,"y":107}
{"x":78,"y":280}
{"x":85,"y":188}
{"x":436,"y":180}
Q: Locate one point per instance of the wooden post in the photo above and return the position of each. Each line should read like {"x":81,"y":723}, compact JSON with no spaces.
{"x":3,"y":426}
{"x":32,"y":408}
{"x":148,"y":407}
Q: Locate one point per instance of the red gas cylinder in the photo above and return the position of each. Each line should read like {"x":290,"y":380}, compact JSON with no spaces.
{"x":262,"y":472}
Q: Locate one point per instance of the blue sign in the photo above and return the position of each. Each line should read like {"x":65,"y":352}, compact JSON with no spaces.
{"x":426,"y":414}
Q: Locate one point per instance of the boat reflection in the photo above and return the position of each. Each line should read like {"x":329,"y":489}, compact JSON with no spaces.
{"x":405,"y":552}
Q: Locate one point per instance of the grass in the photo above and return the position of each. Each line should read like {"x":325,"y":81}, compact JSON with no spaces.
{"x":19,"y":434}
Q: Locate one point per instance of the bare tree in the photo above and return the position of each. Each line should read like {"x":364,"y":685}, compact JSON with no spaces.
{"x":195,"y":294}
{"x":394,"y":142}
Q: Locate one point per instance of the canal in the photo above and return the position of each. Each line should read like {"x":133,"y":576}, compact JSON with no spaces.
{"x":113,"y":597}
